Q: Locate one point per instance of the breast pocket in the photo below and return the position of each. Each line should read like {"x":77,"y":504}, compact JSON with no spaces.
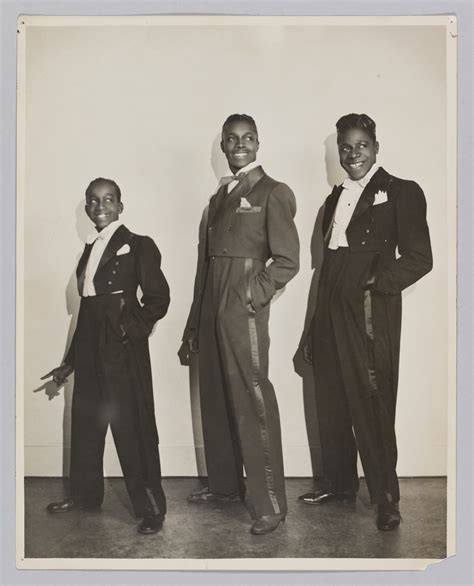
{"x":249,"y":210}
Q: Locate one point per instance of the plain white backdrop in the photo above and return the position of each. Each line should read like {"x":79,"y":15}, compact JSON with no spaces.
{"x":144,"y":104}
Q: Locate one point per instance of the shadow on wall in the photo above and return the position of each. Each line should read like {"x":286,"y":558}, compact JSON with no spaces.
{"x":334,"y":175}
{"x":83,"y":227}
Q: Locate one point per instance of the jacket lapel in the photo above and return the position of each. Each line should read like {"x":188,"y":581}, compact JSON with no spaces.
{"x":120,"y":237}
{"x":215,"y":203}
{"x":380,"y":180}
{"x":222,"y":200}
{"x":247,"y":184}
{"x":81,"y":267}
{"x":330,"y":210}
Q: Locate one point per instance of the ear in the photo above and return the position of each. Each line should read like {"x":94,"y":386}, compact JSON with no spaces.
{"x":376,"y":147}
{"x":86,"y":209}
{"x":222,"y":146}
{"x":120,"y":207}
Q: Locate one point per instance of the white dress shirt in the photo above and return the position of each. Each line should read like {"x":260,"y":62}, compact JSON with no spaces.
{"x":100,"y":240}
{"x":351,"y":192}
{"x":246,"y":169}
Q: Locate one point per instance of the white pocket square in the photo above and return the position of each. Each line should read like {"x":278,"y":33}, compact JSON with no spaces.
{"x":380,"y":197}
{"x":125,"y":249}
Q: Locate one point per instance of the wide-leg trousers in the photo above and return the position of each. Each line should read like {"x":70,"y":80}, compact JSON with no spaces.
{"x":354,"y":380}
{"x":105,"y":393}
{"x":241,"y":424}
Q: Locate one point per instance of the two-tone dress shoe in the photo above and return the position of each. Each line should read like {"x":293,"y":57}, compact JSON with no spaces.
{"x":66,"y":506}
{"x":267,"y":524}
{"x":320,"y":497}
{"x":388,"y":516}
{"x":204,"y":495}
{"x":151,"y":524}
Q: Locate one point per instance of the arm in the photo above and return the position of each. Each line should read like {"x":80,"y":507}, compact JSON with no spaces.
{"x":192,"y":324}
{"x":414,"y":244}
{"x":138,"y":323}
{"x":284,"y":246}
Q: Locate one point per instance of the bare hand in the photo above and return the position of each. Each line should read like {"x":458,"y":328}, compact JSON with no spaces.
{"x":193,"y":344}
{"x":187,"y":348}
{"x":307,"y":349}
{"x":59,"y":374}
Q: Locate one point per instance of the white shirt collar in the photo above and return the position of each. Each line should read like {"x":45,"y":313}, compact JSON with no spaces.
{"x":105,"y":233}
{"x":245,"y":169}
{"x":351,"y":184}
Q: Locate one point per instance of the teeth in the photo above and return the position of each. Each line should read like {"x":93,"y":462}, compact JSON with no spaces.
{"x":355,"y":165}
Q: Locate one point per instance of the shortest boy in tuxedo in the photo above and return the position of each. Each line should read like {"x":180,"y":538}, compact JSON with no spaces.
{"x":110,"y":358}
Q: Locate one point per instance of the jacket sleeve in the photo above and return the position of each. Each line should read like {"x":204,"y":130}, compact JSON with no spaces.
{"x":138,"y":323}
{"x":69,"y":358}
{"x":192,"y":323}
{"x":283,"y":244}
{"x":414,"y":244}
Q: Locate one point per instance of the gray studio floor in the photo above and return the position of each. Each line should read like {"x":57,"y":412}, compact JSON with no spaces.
{"x":222,"y":530}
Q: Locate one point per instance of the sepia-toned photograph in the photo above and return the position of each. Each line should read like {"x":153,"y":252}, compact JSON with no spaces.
{"x":236,"y":292}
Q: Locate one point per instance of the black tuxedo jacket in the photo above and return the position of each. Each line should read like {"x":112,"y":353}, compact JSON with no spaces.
{"x":122,"y":274}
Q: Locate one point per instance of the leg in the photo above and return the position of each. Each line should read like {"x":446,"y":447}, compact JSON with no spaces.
{"x":88,"y":430}
{"x":244,"y":345}
{"x":338,"y":447}
{"x":364,"y":357}
{"x":222,"y":451}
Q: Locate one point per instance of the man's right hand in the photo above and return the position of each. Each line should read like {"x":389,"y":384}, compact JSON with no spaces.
{"x":188,"y":347}
{"x":307,"y":350}
{"x":59,"y":374}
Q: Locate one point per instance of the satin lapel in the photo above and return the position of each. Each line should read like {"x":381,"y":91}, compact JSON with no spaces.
{"x":215,"y":203}
{"x":81,"y":267}
{"x":366,"y":200}
{"x":120,"y":237}
{"x":245,"y":187}
{"x":330,"y":210}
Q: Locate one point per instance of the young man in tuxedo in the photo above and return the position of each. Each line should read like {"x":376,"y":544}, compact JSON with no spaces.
{"x":110,"y":358}
{"x":353,"y":341}
{"x":249,"y":221}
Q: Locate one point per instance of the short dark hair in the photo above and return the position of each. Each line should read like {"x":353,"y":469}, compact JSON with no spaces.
{"x":100,"y":180}
{"x":356,"y":121}
{"x":239,"y":118}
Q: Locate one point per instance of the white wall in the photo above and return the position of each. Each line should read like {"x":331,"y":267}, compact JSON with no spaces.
{"x":144,"y":105}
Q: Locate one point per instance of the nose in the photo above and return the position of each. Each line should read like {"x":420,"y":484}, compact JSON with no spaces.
{"x":354,"y":153}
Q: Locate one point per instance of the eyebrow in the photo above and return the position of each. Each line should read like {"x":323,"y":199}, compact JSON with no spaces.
{"x":249,"y":132}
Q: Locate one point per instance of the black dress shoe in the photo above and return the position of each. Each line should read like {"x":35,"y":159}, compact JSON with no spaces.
{"x":266,"y":524}
{"x":388,"y":516}
{"x":204,"y":495}
{"x":68,"y":506}
{"x":151,"y":524}
{"x":320,"y":497}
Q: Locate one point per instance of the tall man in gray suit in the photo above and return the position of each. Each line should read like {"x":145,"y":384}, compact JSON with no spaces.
{"x":249,"y":221}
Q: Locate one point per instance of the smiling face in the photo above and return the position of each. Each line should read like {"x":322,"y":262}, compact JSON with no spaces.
{"x":103,"y":205}
{"x":357,"y":152}
{"x":239,"y":144}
